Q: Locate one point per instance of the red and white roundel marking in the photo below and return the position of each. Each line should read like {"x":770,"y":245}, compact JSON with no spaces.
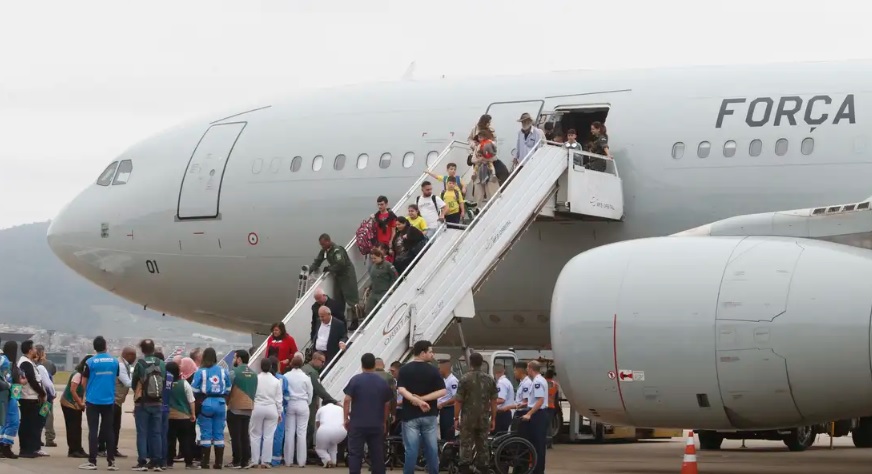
{"x":252,"y":238}
{"x":611,"y":375}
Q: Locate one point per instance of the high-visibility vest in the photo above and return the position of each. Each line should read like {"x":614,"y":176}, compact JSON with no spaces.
{"x":553,"y":390}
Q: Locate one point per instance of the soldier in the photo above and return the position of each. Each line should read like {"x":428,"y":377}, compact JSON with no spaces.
{"x":536,"y":417}
{"x":475,"y":416}
{"x":392,"y":383}
{"x":345,"y":278}
{"x":382,"y":276}
{"x":320,"y":396}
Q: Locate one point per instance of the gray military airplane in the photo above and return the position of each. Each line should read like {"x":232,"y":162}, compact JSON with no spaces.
{"x":211,"y":220}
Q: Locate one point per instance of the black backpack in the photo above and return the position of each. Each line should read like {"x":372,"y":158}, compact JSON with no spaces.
{"x":151,"y":381}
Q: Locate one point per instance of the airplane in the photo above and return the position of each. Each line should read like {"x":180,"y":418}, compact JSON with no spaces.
{"x":694,"y":145}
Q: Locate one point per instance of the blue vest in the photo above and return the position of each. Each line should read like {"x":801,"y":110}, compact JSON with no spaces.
{"x":286,"y":391}
{"x":167,"y":392}
{"x":102,"y":371}
{"x":212,"y":382}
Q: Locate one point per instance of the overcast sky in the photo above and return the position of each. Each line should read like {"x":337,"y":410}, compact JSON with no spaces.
{"x":80,"y":81}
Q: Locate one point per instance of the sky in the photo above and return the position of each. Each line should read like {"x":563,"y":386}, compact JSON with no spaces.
{"x":81,"y":81}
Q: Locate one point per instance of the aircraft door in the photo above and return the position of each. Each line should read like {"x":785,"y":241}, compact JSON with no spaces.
{"x":200,"y":193}
{"x":504,"y":121}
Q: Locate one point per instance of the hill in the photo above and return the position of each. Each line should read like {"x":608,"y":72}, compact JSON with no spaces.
{"x":37,"y":289}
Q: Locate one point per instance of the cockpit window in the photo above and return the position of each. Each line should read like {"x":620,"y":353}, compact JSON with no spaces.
{"x":106,"y":178}
{"x":123,"y":174}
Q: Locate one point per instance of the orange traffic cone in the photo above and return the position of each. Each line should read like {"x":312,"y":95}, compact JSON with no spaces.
{"x":689,"y":464}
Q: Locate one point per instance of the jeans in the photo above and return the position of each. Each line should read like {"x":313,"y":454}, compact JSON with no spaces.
{"x":100,"y":423}
{"x":164,"y":433}
{"x":116,"y":427}
{"x":148,"y":431}
{"x":374,"y":438}
{"x":420,"y":433}
{"x":29,"y":434}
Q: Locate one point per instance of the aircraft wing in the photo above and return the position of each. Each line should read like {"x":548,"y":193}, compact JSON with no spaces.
{"x":848,"y":224}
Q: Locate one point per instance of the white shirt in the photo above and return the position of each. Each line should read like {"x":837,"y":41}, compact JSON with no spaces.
{"x":505,"y":391}
{"x":526,"y":144}
{"x":124,"y":373}
{"x":450,"y":388}
{"x":330,"y":415}
{"x":429,"y":212}
{"x":323,"y":335}
{"x":47,"y":384}
{"x":523,"y":390}
{"x":269,"y":391}
{"x":299,"y":386}
{"x":538,"y":389}
{"x":189,"y":391}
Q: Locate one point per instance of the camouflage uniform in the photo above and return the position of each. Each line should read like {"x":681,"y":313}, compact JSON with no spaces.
{"x":476,"y":393}
{"x":344,"y":276}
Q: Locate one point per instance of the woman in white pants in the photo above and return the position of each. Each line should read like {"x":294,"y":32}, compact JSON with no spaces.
{"x":297,"y":415}
{"x":265,"y":415}
{"x":329,"y":421}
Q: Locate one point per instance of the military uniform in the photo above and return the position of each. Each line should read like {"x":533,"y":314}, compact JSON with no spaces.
{"x":345,"y":278}
{"x":392,"y":383}
{"x":381,"y":276}
{"x":536,"y":431}
{"x":476,"y":393}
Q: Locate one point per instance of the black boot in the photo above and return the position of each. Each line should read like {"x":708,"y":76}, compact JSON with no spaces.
{"x":7,"y":452}
{"x":204,"y":456}
{"x":219,"y":457}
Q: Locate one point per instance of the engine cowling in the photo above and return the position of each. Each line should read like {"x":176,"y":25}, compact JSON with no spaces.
{"x":716,"y":332}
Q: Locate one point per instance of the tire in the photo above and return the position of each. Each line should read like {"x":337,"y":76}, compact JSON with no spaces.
{"x":862,"y":434}
{"x":800,"y":438}
{"x":710,"y":440}
{"x":515,"y":455}
{"x":556,"y":424}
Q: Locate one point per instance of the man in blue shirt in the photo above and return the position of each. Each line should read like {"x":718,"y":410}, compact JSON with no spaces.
{"x":536,"y":418}
{"x":367,"y":406}
{"x":99,"y":382}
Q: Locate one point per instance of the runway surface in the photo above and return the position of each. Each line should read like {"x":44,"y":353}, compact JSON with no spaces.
{"x":649,"y":457}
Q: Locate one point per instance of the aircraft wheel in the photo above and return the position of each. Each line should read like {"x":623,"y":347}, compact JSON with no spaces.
{"x":710,"y":440}
{"x":800,"y":438}
{"x":862,"y":434}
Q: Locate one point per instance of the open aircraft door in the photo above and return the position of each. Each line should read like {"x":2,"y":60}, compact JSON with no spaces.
{"x":504,"y":120}
{"x":200,"y":193}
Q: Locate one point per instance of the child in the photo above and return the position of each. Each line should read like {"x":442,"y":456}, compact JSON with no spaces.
{"x":454,"y":202}
{"x":451,"y":176}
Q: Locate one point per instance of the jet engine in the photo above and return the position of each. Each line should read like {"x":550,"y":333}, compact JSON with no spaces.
{"x":730,"y":333}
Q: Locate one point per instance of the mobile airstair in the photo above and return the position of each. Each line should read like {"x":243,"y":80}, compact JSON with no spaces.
{"x":437,"y":287}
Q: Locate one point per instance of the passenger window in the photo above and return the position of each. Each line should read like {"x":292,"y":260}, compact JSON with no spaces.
{"x":296,"y":163}
{"x":124,"y":170}
{"x":703,"y":150}
{"x":755,"y":148}
{"x":257,"y":166}
{"x":317,"y":163}
{"x":729,"y":148}
{"x":339,"y":163}
{"x":106,"y":177}
{"x":385,"y":161}
{"x":362,"y":161}
{"x":678,"y":150}
{"x":408,"y":160}
{"x":431,"y":158}
{"x":807,"y":146}
{"x":781,"y":147}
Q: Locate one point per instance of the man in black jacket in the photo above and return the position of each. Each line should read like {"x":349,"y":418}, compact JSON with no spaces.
{"x":330,"y":336}
{"x":337,"y":309}
{"x":32,"y":396}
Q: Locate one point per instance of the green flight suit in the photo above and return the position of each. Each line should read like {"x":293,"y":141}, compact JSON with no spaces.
{"x":476,"y":392}
{"x":381,"y":276}
{"x":344,"y":276}
{"x":320,"y":394}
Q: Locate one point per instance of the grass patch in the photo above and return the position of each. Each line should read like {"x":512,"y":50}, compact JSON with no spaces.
{"x":61,"y":378}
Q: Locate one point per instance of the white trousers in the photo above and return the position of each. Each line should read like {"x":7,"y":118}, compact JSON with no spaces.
{"x":327,"y":440}
{"x":262,"y":430}
{"x":296,"y":424}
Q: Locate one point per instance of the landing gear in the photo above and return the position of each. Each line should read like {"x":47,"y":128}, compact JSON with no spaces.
{"x":862,"y":434}
{"x":709,"y":440}
{"x":800,"y":438}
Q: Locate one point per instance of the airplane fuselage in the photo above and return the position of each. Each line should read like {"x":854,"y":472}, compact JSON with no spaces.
{"x":239,"y":270}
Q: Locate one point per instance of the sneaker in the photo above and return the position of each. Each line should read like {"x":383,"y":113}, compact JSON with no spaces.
{"x":157,"y":469}
{"x":140,"y":467}
{"x":88,"y":466}
{"x":101,"y":454}
{"x":119,"y":455}
{"x":192,"y":466}
{"x":51,"y":444}
{"x":112,"y":467}
{"x":42,"y":453}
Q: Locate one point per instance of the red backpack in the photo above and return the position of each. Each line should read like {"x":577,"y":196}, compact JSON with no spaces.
{"x":365,"y":236}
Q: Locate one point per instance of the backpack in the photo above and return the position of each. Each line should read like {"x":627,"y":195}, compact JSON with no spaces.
{"x":365,"y":237}
{"x":456,"y":195}
{"x":502,"y":171}
{"x":151,"y":381}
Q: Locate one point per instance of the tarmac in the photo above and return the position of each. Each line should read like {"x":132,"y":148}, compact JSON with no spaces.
{"x":650,"y":457}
